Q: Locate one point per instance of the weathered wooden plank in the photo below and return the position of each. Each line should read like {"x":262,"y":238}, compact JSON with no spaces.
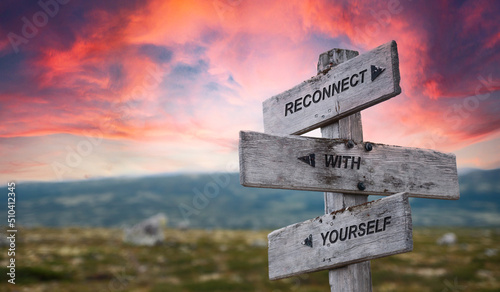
{"x":372,"y":230}
{"x":316,"y":164}
{"x":347,"y":88}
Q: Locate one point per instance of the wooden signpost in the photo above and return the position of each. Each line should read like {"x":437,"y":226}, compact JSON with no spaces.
{"x":337,"y":165}
{"x":345,"y":167}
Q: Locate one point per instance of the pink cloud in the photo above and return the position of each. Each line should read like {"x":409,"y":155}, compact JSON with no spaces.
{"x":196,"y":72}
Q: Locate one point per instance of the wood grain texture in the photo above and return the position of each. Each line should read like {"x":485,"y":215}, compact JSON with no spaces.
{"x":345,"y":128}
{"x":333,"y":57}
{"x":353,"y":99}
{"x":270,"y":161}
{"x":354,"y":277}
{"x":375,"y":229}
{"x":357,"y":276}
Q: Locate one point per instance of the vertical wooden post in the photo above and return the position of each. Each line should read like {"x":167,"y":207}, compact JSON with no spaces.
{"x":355,"y":277}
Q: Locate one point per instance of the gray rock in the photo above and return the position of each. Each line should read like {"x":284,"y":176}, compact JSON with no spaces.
{"x":491,"y":252}
{"x":447,"y":239}
{"x":148,"y":232}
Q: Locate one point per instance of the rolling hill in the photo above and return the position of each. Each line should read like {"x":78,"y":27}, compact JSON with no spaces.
{"x":219,"y":201}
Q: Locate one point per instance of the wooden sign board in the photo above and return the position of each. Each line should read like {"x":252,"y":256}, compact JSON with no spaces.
{"x":355,"y":234}
{"x":347,"y":88}
{"x":329,"y":165}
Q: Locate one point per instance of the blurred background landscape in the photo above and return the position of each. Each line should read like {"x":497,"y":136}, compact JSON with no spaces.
{"x":71,"y":237}
{"x":218,"y":200}
{"x":96,"y":259}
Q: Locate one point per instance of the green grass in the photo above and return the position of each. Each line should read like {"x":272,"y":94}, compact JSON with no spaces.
{"x":37,"y":274}
{"x":73,"y":259}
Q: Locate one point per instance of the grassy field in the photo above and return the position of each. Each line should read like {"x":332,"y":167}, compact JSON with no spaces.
{"x":76,"y":259}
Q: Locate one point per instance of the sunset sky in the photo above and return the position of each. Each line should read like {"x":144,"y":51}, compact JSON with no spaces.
{"x":94,"y":89}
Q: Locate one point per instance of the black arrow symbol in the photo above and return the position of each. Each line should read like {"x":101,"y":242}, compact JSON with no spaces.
{"x":376,"y":71}
{"x":308,"y":241}
{"x":309,"y":159}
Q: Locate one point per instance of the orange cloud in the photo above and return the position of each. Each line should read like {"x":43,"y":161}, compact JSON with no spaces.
{"x":197,"y":71}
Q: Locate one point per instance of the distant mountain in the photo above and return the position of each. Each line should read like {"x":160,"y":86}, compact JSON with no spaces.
{"x":479,"y":203}
{"x":219,"y":201}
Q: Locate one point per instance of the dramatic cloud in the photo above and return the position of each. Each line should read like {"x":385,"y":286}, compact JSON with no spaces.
{"x":166,"y":85}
